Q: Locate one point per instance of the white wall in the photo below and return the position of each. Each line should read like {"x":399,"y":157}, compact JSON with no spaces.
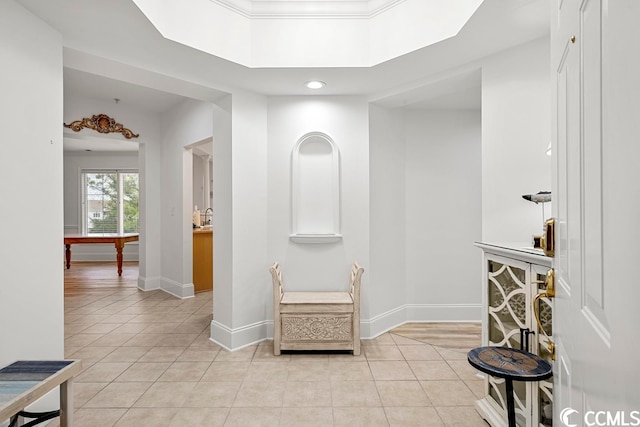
{"x":187,"y":123}
{"x":391,"y":156}
{"x":391,"y":235}
{"x":425,"y":215}
{"x":31,"y":277}
{"x":515,"y":134}
{"x":149,"y":247}
{"x":319,"y":266}
{"x":249,"y":205}
{"x":443,"y":214}
{"x":74,"y":163}
{"x":386,"y":270}
{"x":221,"y":324}
{"x":318,"y":42}
{"x":241,"y":300}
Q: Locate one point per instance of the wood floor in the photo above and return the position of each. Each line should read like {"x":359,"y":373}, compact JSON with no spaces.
{"x":450,"y":335}
{"x":88,"y":277}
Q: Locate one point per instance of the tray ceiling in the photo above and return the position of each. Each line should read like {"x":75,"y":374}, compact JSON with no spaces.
{"x":308,"y":33}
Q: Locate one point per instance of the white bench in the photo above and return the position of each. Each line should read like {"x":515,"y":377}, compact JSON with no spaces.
{"x":316,"y":320}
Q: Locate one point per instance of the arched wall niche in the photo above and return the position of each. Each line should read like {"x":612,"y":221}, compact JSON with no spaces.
{"x":315,"y":190}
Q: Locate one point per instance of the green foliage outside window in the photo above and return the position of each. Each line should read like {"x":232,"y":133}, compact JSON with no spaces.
{"x":103,"y":197}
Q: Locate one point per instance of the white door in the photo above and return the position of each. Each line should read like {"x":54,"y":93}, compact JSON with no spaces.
{"x":595,"y":62}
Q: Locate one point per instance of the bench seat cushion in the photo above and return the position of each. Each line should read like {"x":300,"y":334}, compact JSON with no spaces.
{"x":316,"y":298}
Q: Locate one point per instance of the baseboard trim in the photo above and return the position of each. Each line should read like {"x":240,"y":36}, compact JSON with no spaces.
{"x":378,"y":325}
{"x":180,"y":290}
{"x":149,"y":283}
{"x":238,"y":338}
{"x":444,"y":312}
{"x":419,"y":313}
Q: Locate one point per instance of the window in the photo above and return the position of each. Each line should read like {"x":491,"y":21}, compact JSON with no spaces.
{"x":110,"y":201}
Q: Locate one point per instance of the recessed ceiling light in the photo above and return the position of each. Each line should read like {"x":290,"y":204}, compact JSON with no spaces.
{"x":315,"y":84}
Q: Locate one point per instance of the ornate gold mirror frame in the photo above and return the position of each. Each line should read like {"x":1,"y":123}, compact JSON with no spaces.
{"x":101,"y":123}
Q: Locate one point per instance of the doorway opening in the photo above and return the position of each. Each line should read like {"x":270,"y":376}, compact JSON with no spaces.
{"x":201,"y":196}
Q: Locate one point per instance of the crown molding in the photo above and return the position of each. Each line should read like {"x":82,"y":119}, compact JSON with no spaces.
{"x":282,"y":9}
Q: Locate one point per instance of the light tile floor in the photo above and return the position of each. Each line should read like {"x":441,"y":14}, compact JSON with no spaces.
{"x":148,"y":361}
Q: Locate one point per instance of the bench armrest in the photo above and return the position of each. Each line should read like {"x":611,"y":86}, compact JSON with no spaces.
{"x":354,"y":282}
{"x":276,"y":278}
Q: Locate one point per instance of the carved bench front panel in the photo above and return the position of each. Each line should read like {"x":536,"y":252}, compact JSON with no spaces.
{"x":317,"y":327}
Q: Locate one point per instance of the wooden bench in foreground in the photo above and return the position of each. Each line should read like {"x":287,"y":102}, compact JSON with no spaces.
{"x":25,"y":381}
{"x":316,"y":320}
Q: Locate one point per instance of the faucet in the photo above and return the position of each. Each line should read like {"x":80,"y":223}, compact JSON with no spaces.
{"x":208,"y":222}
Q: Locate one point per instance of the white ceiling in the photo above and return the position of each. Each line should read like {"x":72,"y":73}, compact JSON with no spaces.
{"x":460,"y":91}
{"x":112,"y":51}
{"x":78,"y":84}
{"x":87,"y":85}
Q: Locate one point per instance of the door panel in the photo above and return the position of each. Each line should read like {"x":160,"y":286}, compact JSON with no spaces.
{"x":593,"y":292}
{"x":560,"y":152}
{"x":591,"y":34}
{"x":595,"y":68}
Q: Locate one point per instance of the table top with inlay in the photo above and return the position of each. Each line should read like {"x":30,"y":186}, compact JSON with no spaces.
{"x":510,"y":363}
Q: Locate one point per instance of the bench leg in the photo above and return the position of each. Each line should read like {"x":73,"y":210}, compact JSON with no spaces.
{"x":277,"y":333}
{"x":356,"y":332}
{"x":66,"y":403}
{"x":356,"y":344}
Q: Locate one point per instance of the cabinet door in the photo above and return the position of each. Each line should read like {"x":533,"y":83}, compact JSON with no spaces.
{"x":543,"y":390}
{"x":508,"y":310}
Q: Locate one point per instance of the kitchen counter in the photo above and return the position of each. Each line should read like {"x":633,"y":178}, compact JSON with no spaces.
{"x":203,"y":230}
